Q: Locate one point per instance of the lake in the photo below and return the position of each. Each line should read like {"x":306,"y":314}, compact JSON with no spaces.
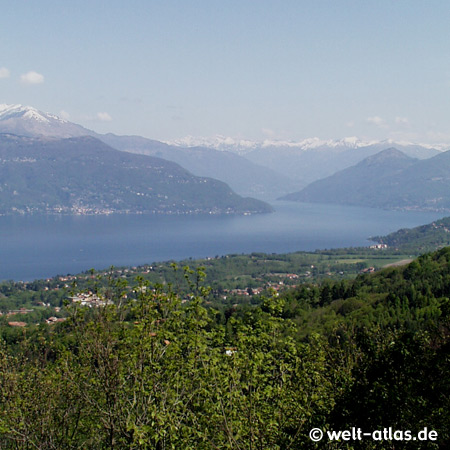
{"x":43,"y":246}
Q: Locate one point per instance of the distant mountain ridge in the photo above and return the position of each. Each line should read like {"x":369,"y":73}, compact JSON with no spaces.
{"x":30,"y":122}
{"x":306,"y":166}
{"x":310,"y":159}
{"x":265,"y":170}
{"x":83,"y":175}
{"x":389,"y":179}
{"x":245,"y":177}
{"x":243,"y":146}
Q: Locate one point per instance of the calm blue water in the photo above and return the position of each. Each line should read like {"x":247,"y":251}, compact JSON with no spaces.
{"x":43,"y":246}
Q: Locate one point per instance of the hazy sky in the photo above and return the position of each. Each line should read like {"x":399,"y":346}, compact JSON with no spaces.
{"x":251,"y":69}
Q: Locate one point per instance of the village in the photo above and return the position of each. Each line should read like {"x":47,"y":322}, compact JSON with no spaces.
{"x":232,"y":279}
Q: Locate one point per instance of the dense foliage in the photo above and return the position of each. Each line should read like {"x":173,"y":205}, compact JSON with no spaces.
{"x":423,"y":238}
{"x":253,"y":274}
{"x":158,"y":371}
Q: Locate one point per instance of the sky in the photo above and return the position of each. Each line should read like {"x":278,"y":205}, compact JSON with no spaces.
{"x":248,"y":69}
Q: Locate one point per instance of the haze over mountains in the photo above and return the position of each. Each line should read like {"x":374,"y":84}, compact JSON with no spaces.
{"x":272,"y":169}
{"x":243,"y":176}
{"x":43,"y":173}
{"x":85,"y":176}
{"x":390,"y":179}
{"x":311,"y":159}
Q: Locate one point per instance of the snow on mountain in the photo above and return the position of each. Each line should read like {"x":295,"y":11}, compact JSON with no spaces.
{"x":217,"y":142}
{"x":26,"y":112}
{"x":28,"y":121}
{"x":243,"y":146}
{"x":310,"y":159}
{"x":261,"y":168}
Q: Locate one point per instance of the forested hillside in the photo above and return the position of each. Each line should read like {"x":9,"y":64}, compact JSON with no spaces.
{"x":423,"y":238}
{"x":388,"y":180}
{"x":156,"y":370}
{"x":85,"y":176}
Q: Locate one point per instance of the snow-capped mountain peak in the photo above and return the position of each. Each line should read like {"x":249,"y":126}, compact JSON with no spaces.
{"x":27,"y":112}
{"x":29,"y":121}
{"x":243,"y":146}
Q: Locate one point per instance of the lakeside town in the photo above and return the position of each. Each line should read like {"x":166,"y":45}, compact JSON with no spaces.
{"x":233,"y":279}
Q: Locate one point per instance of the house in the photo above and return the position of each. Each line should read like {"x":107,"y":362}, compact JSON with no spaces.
{"x":52,"y":320}
{"x":89,"y":299}
{"x":378,"y":246}
{"x":17,"y":324}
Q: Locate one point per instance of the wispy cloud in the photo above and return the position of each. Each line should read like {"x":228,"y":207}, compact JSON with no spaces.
{"x":64,"y":115}
{"x":377,"y":121}
{"x":104,"y":117}
{"x":32,"y":77}
{"x":438,"y":136}
{"x":268,"y":132}
{"x":4,"y":72}
{"x":401,"y":121}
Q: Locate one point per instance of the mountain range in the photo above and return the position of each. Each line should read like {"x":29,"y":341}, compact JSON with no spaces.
{"x":83,"y":175}
{"x":390,"y":179}
{"x":27,"y":121}
{"x":347,"y":171}
{"x":306,"y":166}
{"x":311,"y":159}
{"x":265,"y":170}
{"x":243,"y":176}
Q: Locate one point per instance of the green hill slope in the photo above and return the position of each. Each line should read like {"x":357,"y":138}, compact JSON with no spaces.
{"x":242,"y":175}
{"x":419,"y":239}
{"x":159,"y":371}
{"x":390,"y":180}
{"x":363,"y":184}
{"x":84,"y":175}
